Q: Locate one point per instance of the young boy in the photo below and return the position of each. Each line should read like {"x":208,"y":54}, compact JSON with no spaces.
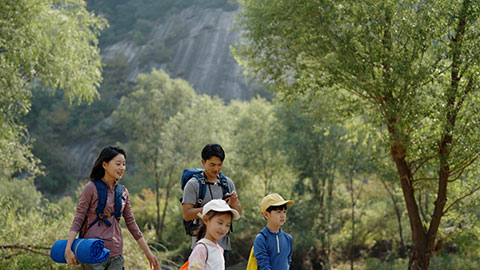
{"x":273,"y":247}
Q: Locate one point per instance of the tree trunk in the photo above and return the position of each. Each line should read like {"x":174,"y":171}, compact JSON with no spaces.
{"x":162,"y":222}
{"x":331,"y":179}
{"x":352,"y":204}
{"x":157,"y":201}
{"x":420,"y":257}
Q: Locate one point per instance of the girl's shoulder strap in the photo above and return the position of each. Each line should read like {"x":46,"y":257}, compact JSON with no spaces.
{"x":206,"y":249}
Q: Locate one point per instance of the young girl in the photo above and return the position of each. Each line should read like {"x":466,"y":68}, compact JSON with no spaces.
{"x":217,"y":217}
{"x":109,"y":168}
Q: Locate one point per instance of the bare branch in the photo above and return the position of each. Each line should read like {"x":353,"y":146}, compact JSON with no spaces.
{"x":459,"y":171}
{"x":11,"y":255}
{"x":462,"y":165}
{"x":27,"y":248}
{"x":421,"y":165}
{"x":425,"y":179}
{"x":461,"y":198}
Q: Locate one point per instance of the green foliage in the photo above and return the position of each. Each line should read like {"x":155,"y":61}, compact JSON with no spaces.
{"x":156,"y":51}
{"x":406,"y":68}
{"x":258,"y":147}
{"x":20,"y":190}
{"x":36,"y":226}
{"x":44,"y":42}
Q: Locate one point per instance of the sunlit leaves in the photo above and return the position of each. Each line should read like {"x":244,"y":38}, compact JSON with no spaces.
{"x":43,"y":42}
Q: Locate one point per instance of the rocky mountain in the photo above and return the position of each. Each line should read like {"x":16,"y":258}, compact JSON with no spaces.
{"x":192,"y":44}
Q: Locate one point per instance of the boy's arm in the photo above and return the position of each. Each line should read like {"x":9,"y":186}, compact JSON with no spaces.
{"x":291,"y":250}
{"x":261,"y":253}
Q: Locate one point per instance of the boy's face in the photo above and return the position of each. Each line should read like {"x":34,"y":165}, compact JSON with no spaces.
{"x":276,"y":218}
{"x":212,"y":166}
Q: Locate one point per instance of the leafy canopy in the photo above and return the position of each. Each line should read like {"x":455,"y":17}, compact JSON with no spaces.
{"x":51,"y":43}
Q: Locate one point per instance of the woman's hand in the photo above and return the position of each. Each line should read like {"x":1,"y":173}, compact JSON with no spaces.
{"x":153,"y":260}
{"x":70,"y":256}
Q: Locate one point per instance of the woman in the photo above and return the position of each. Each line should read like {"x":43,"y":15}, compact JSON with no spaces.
{"x":108,"y":168}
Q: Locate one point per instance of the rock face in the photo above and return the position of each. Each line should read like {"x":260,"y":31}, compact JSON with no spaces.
{"x":193,"y":45}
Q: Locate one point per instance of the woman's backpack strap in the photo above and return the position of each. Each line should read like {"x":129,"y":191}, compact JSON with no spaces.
{"x":118,"y":201}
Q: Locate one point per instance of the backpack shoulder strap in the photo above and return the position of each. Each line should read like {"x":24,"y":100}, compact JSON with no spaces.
{"x":101,"y":203}
{"x":118,"y":201}
{"x":206,"y":249}
{"x":202,"y":189}
{"x":102,"y":196}
{"x":224,"y":183}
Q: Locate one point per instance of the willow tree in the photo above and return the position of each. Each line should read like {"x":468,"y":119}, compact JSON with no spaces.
{"x":43,"y":44}
{"x":411,"y":67}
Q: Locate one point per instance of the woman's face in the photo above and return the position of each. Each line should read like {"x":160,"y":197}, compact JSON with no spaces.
{"x":115,"y":168}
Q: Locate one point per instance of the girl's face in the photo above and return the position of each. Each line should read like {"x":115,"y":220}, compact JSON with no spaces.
{"x":115,"y":168}
{"x":217,"y":226}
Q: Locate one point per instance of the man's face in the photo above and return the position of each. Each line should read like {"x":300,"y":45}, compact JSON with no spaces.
{"x":213,"y":166}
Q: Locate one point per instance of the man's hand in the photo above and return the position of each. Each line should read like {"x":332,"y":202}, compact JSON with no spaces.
{"x":232,"y":200}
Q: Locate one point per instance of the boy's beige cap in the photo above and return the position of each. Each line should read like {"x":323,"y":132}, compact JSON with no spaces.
{"x":273,"y":199}
{"x":219,"y":206}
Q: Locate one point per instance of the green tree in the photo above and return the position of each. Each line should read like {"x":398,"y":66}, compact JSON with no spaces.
{"x":50,"y":43}
{"x":257,"y":138}
{"x":143,"y":114}
{"x":314,"y":148}
{"x":411,"y":67}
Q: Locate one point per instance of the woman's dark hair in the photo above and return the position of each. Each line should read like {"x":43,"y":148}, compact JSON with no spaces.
{"x":213,"y":150}
{"x":107,"y":154}
{"x":202,"y":230}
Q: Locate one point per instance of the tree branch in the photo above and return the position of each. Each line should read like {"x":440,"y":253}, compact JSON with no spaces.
{"x":461,"y":198}
{"x":11,"y":255}
{"x":420,"y":165}
{"x":425,"y":179}
{"x":27,"y":248}
{"x":458,"y":172}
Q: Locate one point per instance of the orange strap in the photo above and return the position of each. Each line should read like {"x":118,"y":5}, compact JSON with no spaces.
{"x":184,"y":266}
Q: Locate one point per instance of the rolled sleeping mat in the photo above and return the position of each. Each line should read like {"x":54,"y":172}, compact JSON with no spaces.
{"x":87,"y":250}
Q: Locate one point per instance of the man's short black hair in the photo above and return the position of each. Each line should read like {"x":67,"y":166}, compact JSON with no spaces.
{"x":213,"y":150}
{"x":276,"y":207}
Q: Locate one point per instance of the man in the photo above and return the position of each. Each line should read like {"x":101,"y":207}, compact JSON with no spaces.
{"x":212,"y":160}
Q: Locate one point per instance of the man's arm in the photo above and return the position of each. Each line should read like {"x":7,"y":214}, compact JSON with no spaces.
{"x":233,"y":201}
{"x":190,"y":194}
{"x":189,"y":212}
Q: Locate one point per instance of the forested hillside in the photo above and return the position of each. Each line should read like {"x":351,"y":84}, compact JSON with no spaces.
{"x":331,"y":119}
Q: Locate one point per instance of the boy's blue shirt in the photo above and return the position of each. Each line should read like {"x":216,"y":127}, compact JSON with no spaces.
{"x":273,"y":250}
